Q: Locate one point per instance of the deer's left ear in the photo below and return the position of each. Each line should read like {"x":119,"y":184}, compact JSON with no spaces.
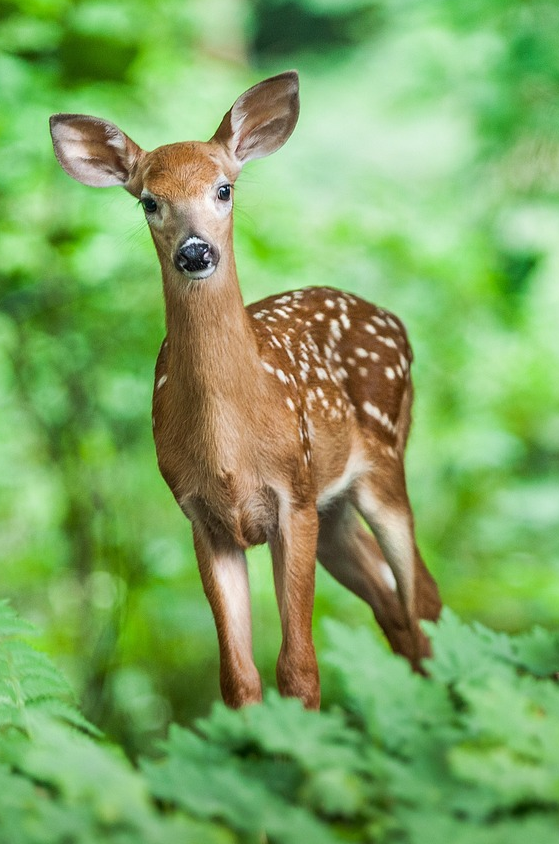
{"x":262,"y":119}
{"x":95,"y":152}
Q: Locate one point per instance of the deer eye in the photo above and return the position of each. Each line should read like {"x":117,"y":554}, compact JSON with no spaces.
{"x":224,"y":193}
{"x":149,"y":205}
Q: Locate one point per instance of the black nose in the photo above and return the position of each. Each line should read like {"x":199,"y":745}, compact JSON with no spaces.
{"x":194,"y":255}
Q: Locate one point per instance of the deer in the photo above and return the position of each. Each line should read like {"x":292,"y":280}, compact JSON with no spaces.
{"x":283,"y":422}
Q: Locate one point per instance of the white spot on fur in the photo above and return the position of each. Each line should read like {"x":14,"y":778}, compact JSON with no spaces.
{"x":161,"y":381}
{"x":335,"y":329}
{"x":290,"y":403}
{"x":376,"y":413}
{"x":388,"y":341}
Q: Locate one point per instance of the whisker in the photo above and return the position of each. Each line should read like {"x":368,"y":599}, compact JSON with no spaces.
{"x":133,"y":234}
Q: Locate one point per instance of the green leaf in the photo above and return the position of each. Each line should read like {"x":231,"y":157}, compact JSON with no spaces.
{"x":11,"y":624}
{"x":281,"y":726}
{"x":208,"y":783}
{"x":538,"y":651}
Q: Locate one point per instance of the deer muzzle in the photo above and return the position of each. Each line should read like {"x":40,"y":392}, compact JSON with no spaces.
{"x":196,"y":259}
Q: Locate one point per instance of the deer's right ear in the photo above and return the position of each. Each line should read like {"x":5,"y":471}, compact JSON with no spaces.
{"x":93,"y":151}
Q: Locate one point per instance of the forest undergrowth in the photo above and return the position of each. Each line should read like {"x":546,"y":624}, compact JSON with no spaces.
{"x":467,"y":753}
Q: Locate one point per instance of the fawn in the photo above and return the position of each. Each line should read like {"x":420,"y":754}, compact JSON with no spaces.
{"x":281,"y":422}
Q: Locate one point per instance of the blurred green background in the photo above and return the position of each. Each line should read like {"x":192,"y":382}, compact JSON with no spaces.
{"x":423,"y":174}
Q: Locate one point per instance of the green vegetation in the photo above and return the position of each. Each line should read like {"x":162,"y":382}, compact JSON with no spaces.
{"x":466,"y":755}
{"x":423,"y":175}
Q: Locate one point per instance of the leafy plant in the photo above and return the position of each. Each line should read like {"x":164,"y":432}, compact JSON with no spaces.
{"x":59,"y":783}
{"x":30,"y":685}
{"x":466,"y":754}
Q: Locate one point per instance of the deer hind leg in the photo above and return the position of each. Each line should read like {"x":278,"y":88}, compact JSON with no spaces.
{"x":353,"y":556}
{"x":224,"y":573}
{"x":294,"y":561}
{"x":382,"y":500}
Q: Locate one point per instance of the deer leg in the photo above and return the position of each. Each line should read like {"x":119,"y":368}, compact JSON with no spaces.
{"x":353,"y":556}
{"x":224,"y":573}
{"x":294,"y":561}
{"x":385,"y":507}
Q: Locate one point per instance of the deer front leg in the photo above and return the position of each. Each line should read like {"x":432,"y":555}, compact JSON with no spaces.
{"x":294,"y":561}
{"x":224,"y":573}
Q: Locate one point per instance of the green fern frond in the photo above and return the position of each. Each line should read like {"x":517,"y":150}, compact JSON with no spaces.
{"x":29,"y":680}
{"x":466,"y":754}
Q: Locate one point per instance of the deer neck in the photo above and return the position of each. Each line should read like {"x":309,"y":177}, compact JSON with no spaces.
{"x":212,"y":353}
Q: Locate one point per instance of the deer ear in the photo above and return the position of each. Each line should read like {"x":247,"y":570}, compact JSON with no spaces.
{"x":93,"y":151}
{"x":262,"y":119}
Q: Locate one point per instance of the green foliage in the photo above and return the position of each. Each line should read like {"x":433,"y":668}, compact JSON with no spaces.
{"x":59,"y":784}
{"x":465,"y":754}
{"x":30,"y":685}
